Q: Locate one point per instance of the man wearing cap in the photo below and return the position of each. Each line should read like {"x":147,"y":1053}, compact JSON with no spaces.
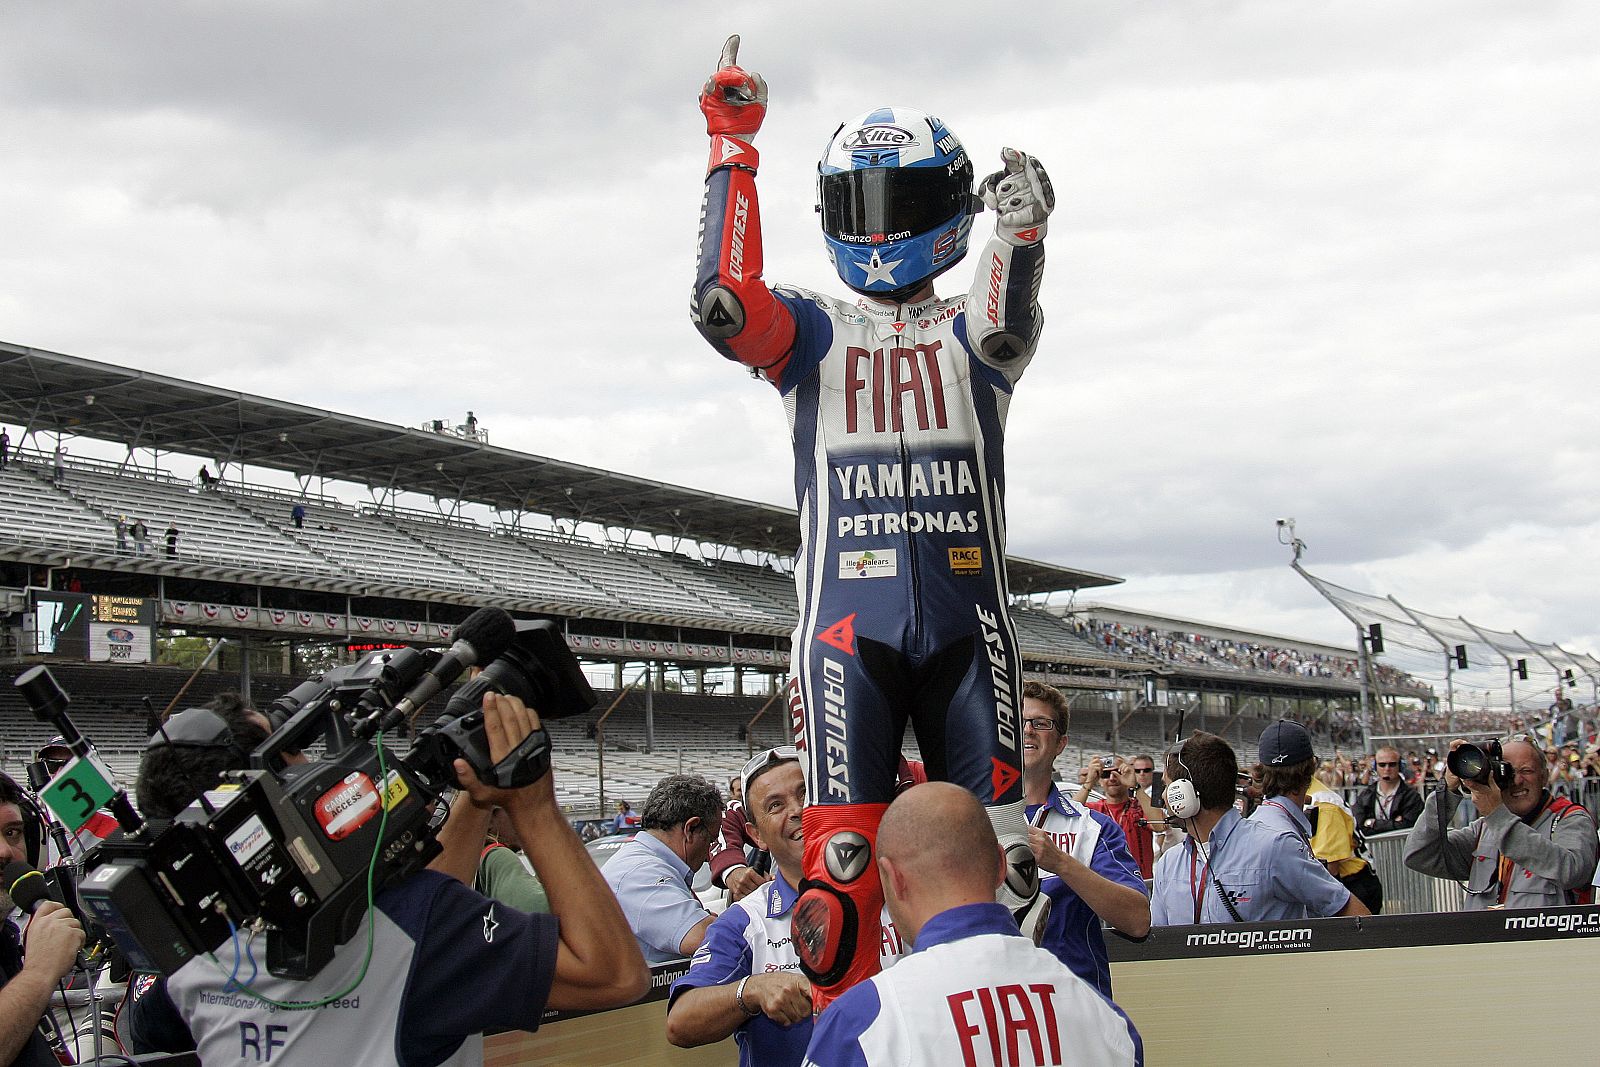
{"x":746,"y":979}
{"x":1289,"y":786}
{"x":1232,"y":869}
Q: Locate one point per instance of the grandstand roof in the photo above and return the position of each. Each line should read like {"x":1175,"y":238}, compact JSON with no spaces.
{"x":49,"y":391}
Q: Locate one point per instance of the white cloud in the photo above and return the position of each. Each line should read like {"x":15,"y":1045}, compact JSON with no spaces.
{"x":1336,"y":263}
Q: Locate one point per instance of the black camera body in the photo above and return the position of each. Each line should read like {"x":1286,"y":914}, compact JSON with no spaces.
{"x":1480,"y":763}
{"x":289,"y":848}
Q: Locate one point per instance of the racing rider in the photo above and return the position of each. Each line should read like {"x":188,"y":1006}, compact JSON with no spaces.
{"x":896,"y":406}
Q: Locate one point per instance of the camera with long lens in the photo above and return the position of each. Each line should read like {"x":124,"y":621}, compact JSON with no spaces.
{"x":298,"y":851}
{"x":1480,"y":763}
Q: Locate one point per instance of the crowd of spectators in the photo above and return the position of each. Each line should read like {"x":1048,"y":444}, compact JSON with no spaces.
{"x":1188,"y":649}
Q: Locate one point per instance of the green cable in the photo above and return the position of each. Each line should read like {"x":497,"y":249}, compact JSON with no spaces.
{"x":372,"y":867}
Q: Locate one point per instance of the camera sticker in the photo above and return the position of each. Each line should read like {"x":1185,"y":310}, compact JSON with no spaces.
{"x":345,"y":808}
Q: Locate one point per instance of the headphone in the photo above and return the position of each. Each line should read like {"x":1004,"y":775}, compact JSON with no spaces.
{"x":1182,"y":798}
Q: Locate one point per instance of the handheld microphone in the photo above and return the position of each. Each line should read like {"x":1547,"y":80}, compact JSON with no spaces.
{"x":28,"y":889}
{"x":485,"y":635}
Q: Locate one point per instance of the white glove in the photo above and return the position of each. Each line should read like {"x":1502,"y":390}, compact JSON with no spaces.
{"x":1022,"y":196}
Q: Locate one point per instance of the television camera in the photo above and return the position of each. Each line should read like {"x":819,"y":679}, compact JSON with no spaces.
{"x":299,"y":850}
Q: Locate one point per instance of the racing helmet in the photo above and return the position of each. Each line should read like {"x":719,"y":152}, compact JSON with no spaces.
{"x":894,"y":190}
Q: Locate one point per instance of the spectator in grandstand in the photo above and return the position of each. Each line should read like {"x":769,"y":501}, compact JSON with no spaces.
{"x":1388,"y":803}
{"x":141,"y":537}
{"x":941,"y":863}
{"x":58,"y":466}
{"x":652,"y":875}
{"x":471,"y":425}
{"x":1295,"y":801}
{"x":746,"y":978}
{"x":458,"y":963}
{"x":1090,"y":875}
{"x":34,"y":961}
{"x":172,"y":540}
{"x":5,"y":449}
{"x":1233,"y":869}
{"x":1128,"y":807}
{"x":297,"y":515}
{"x":737,"y":863}
{"x":625,"y":819}
{"x":1526,"y":849}
{"x":1563,"y":722}
{"x":206,"y":480}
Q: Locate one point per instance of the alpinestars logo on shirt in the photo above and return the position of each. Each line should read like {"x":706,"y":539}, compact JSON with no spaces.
{"x":489,"y":926}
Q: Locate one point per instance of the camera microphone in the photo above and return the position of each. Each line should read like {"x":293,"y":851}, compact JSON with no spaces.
{"x":485,"y":635}
{"x":28,"y":889}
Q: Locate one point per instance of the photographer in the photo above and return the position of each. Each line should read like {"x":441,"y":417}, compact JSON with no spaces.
{"x":443,"y":964}
{"x":30,"y":964}
{"x":1526,"y":849}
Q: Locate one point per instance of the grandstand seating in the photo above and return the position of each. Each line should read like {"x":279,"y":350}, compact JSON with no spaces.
{"x":211,"y":526}
{"x":32,"y":511}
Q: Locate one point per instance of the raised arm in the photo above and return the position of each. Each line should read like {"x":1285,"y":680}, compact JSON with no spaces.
{"x":731,"y":306}
{"x":1003,"y":315}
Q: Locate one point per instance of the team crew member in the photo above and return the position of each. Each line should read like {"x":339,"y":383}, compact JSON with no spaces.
{"x":897,"y":406}
{"x":1090,"y":876}
{"x":33,"y":962}
{"x":1288,"y":785}
{"x":653,"y":874}
{"x":1389,"y":803}
{"x":1232,"y":869}
{"x":746,"y":978}
{"x":1526,"y":849}
{"x":971,"y":983}
{"x":446,"y":964}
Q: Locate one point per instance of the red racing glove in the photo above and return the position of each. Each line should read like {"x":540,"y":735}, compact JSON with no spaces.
{"x":734,"y":101}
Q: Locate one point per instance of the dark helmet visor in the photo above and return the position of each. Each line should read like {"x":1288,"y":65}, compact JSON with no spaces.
{"x":887,"y":203}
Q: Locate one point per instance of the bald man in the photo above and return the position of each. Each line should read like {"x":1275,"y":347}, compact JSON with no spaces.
{"x":973,"y":990}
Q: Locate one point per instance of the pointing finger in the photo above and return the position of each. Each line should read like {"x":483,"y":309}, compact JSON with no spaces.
{"x":730,"y":53}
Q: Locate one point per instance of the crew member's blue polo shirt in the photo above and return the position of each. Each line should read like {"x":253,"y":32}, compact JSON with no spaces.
{"x":1267,"y":872}
{"x":1072,"y":930}
{"x":656,"y":891}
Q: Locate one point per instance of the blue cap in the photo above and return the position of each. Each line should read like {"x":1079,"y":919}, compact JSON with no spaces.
{"x":1285,"y":743}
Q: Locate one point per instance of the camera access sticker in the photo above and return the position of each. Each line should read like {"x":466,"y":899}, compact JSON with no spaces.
{"x":345,"y":808}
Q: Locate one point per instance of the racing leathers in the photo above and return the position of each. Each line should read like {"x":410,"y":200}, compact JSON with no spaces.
{"x":896,"y":413}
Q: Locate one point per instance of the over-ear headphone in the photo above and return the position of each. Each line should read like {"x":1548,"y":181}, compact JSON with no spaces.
{"x":1182,"y":798}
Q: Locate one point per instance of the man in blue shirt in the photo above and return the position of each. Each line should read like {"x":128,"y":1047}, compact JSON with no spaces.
{"x":1231,"y":869}
{"x":652,"y":875}
{"x":973,"y":984}
{"x":746,"y":978}
{"x":1089,"y":874}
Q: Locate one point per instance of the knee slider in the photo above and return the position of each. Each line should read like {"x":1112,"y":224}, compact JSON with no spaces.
{"x":827,"y":920}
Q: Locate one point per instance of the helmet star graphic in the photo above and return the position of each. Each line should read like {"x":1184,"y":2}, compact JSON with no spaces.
{"x":879,"y":271}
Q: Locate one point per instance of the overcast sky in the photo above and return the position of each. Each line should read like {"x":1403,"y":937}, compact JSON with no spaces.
{"x":1331,"y":262}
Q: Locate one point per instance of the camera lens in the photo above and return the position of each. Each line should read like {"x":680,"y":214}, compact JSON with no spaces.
{"x":1469,"y":763}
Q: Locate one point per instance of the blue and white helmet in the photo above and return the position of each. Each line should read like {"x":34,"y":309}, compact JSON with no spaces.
{"x":895,"y":193}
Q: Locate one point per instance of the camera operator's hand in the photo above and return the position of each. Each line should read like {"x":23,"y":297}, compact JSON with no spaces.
{"x":507,"y":722}
{"x":1451,"y":782}
{"x":52,"y":941}
{"x":1124,"y":772}
{"x":1091,"y":774}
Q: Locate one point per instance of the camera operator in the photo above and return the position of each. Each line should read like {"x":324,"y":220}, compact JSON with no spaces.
{"x":445,"y":963}
{"x":1526,"y":849}
{"x":32,"y":964}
